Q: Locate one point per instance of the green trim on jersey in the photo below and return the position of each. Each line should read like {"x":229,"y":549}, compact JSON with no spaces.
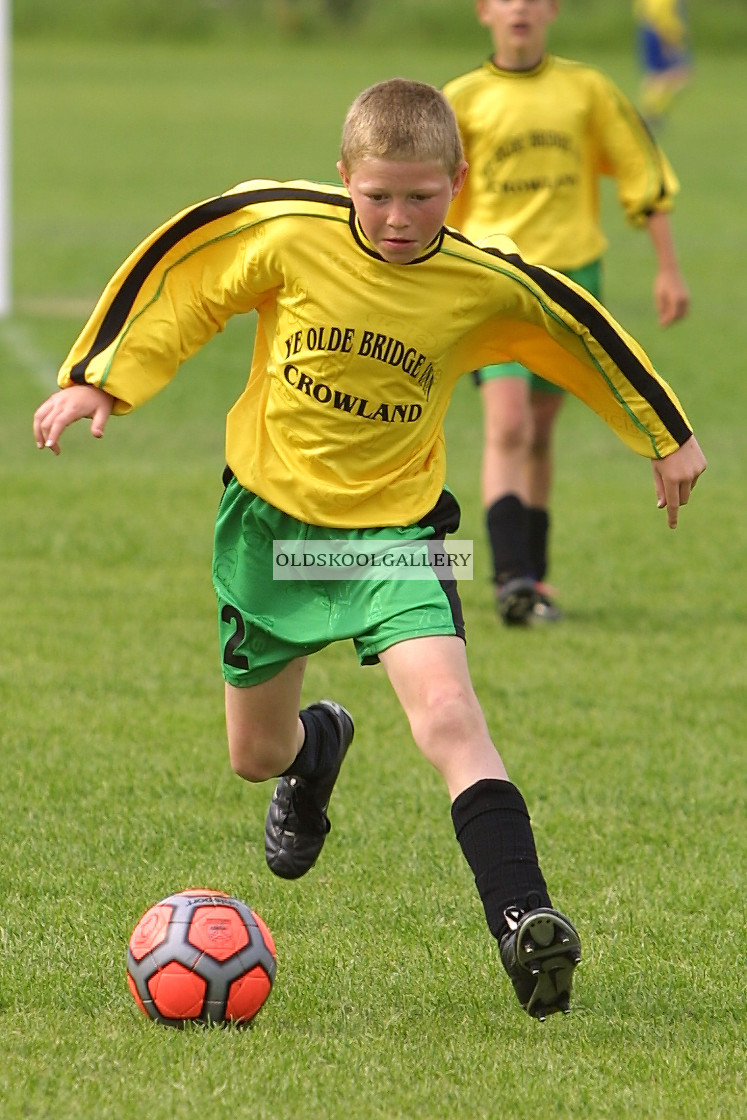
{"x":590,"y":278}
{"x":265,"y":623}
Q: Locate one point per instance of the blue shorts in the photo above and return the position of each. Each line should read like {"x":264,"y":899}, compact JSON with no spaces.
{"x":657,"y":55}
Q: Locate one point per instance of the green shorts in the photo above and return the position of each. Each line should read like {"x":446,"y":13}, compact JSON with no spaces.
{"x":264,"y":623}
{"x":590,"y":278}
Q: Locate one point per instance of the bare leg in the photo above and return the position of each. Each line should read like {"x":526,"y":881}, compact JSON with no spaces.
{"x":264,"y":731}
{"x":509,"y":426}
{"x":507,"y":420}
{"x":545,"y":409}
{"x":431,"y":679}
{"x":490,"y":818}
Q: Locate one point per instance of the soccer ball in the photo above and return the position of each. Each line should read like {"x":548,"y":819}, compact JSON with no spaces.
{"x":200,"y":956}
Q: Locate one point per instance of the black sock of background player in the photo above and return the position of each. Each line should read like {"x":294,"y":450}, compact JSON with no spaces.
{"x":508,"y":535}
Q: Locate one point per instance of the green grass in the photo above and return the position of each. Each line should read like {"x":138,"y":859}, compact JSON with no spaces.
{"x":623,"y":727}
{"x":716,"y":25}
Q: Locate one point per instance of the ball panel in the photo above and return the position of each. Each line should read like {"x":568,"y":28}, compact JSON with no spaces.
{"x":150,"y":930}
{"x":266,"y":935}
{"x":218,"y":930}
{"x":247,"y":995}
{"x":177,"y":992}
{"x":136,"y":995}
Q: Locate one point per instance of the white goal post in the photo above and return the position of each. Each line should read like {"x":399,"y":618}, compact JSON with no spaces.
{"x":5,"y":159}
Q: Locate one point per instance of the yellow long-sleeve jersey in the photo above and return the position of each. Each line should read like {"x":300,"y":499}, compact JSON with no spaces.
{"x":537,"y":142}
{"x":355,"y":359}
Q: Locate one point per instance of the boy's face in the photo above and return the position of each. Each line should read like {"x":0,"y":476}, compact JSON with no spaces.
{"x":401,"y":205}
{"x":518,"y":28}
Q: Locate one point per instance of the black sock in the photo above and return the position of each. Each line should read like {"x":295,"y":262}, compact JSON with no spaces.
{"x":538,"y":526}
{"x":320,"y":746}
{"x":492,"y":825}
{"x":508,"y":535}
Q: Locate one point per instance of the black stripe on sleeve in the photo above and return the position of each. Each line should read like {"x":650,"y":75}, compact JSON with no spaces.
{"x":199,"y":216}
{"x":606,"y":336}
{"x":654,"y":155}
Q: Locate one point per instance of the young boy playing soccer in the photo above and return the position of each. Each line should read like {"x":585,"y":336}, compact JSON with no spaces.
{"x":539,"y":132}
{"x":369,"y":310}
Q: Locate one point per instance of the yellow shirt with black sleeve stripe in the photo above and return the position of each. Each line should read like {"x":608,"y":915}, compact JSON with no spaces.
{"x":537,"y":142}
{"x":355,"y":359}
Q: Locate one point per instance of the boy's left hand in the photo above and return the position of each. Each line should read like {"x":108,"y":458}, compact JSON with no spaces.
{"x":671,"y":296}
{"x":675,"y":476}
{"x":65,"y":407}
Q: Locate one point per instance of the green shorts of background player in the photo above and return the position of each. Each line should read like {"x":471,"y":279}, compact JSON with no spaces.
{"x":401,"y":167}
{"x":520,"y":410}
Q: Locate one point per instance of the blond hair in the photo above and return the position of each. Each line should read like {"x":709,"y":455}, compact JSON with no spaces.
{"x":401,"y":120}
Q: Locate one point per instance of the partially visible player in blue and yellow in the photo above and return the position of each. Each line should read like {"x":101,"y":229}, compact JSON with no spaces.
{"x":369,"y":311}
{"x":664,"y":54}
{"x":539,"y":132}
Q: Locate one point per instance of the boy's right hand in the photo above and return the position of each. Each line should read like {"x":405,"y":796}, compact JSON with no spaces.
{"x":675,"y":476}
{"x":65,"y":407}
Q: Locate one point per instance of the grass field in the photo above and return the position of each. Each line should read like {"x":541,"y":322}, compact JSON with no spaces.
{"x":624,"y":727}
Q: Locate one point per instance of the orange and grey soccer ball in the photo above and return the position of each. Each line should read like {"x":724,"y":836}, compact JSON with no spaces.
{"x":200,"y":956}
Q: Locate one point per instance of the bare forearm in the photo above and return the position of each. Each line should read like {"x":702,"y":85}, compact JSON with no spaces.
{"x":671,"y":295}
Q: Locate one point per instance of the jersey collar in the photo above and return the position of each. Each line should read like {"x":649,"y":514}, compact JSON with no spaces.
{"x":491,"y":67}
{"x":367,"y":246}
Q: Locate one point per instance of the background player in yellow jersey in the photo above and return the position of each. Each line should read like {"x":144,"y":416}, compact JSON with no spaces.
{"x":664,"y":53}
{"x":369,"y":310}
{"x":538,"y":132}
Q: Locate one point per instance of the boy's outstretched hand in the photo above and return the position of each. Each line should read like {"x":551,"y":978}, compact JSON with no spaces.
{"x":671,"y":297}
{"x":65,"y":407}
{"x":675,"y":476}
